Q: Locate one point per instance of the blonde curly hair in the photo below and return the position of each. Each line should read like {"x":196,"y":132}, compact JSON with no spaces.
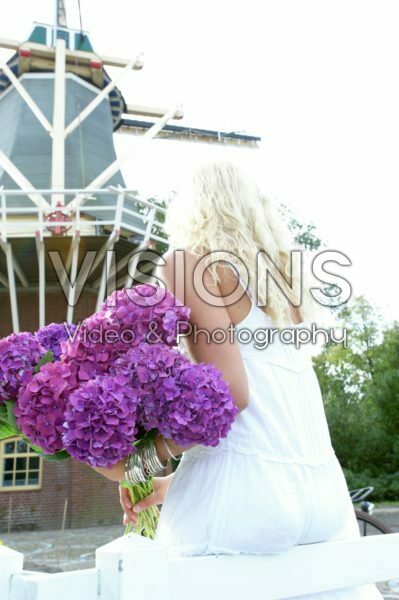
{"x":220,"y":209}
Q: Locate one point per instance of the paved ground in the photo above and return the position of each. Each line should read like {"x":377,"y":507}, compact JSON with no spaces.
{"x":53,"y":551}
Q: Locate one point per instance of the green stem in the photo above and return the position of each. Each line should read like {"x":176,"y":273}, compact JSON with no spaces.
{"x":147,"y":519}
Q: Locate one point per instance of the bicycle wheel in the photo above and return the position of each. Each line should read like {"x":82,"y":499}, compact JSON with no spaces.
{"x":369,"y":525}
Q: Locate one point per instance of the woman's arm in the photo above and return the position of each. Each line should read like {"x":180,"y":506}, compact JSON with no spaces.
{"x":209,"y":317}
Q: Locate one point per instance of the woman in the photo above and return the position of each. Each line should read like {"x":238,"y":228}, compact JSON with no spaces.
{"x":275,"y":481}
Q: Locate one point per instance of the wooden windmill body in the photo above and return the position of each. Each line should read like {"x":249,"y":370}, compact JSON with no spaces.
{"x":62,"y":193}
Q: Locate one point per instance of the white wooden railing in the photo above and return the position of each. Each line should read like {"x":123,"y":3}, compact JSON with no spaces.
{"x":133,"y":567}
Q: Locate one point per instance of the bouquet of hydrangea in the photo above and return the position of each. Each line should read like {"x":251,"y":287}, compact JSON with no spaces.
{"x":96,"y":391}
{"x":31,"y":385}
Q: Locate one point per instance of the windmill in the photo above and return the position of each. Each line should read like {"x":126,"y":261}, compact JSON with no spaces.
{"x":64,"y":202}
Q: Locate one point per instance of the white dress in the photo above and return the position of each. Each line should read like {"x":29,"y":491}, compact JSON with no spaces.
{"x":275,"y":481}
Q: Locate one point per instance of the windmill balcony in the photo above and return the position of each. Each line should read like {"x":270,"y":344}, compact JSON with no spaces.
{"x":44,"y":246}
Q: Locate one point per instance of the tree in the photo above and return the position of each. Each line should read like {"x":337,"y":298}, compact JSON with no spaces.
{"x":304,"y":234}
{"x":360,"y":387}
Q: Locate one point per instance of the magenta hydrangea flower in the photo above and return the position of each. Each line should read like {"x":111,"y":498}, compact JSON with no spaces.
{"x":151,"y":313}
{"x":151,"y":369}
{"x":190,"y":403}
{"x":52,"y":335}
{"x":204,"y":411}
{"x":100,"y":421}
{"x":40,"y":406}
{"x":108,"y":334}
{"x":19,"y":354}
{"x":90,"y":352}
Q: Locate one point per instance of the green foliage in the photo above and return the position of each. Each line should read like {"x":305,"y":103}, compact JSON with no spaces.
{"x":6,"y":431}
{"x":46,"y":358}
{"x":159,"y":220}
{"x":360,"y":387}
{"x":386,"y":485}
{"x":304,"y":234}
{"x":61,"y":455}
{"x":8,"y":424}
{"x":158,"y":229}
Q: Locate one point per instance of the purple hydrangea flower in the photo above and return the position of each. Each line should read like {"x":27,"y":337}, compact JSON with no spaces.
{"x":190,"y":403}
{"x":19,"y":354}
{"x":108,"y":334}
{"x":204,"y":411}
{"x":41,"y":404}
{"x":100,"y":421}
{"x":152,"y":370}
{"x":149,"y":312}
{"x":90,"y":352}
{"x":52,"y":335}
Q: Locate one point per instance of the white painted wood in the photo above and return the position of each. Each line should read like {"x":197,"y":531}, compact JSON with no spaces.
{"x":11,"y":563}
{"x":109,"y":264}
{"x":305,"y":569}
{"x":108,"y":244}
{"x":150,"y":111}
{"x":113,"y":61}
{"x":103,"y":177}
{"x":121,"y":264}
{"x":68,"y":261}
{"x":108,"y":271}
{"x":10,"y":44}
{"x":133,"y":567}
{"x":6,"y":246}
{"x":3,"y":280}
{"x":74,"y":271}
{"x":132,"y":265}
{"x":19,"y":272}
{"x":71,"y":585}
{"x":42,"y":277}
{"x":150,"y":222}
{"x":81,"y":276}
{"x":60,"y":14}
{"x":27,"y":98}
{"x":138,"y":254}
{"x":3,"y":239}
{"x":16,"y":266}
{"x":58,"y":148}
{"x":98,"y":99}
{"x":20,"y":179}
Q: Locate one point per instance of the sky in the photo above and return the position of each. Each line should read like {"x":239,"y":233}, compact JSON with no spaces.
{"x":316,"y":79}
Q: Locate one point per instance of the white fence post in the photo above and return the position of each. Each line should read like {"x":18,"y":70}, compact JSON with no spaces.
{"x":11,"y":562}
{"x":132,"y":566}
{"x":69,"y":585}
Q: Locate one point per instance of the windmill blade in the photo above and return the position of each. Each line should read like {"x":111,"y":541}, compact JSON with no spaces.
{"x":61,"y":20}
{"x":188,"y":133}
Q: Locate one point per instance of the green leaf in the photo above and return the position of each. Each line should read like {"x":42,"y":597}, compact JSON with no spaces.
{"x":46,"y":358}
{"x":3,"y":412}
{"x":8,"y":423}
{"x":7,"y":431}
{"x":148,"y":436}
{"x":61,"y":455}
{"x":11,"y":420}
{"x":36,"y":449}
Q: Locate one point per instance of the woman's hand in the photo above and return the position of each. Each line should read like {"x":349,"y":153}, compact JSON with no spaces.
{"x":161,"y":485}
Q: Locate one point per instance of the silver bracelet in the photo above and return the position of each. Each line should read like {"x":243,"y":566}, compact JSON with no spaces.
{"x":169,"y":451}
{"x":143,"y":464}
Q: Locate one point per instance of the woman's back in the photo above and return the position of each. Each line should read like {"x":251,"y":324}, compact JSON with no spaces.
{"x":274,"y":482}
{"x":285,"y":418}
